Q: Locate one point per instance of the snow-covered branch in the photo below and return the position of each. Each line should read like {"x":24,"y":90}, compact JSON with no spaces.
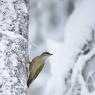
{"x":80,"y":44}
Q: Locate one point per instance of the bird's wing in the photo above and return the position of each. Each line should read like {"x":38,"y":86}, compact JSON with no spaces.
{"x":33,"y":76}
{"x":30,"y":79}
{"x":38,"y":71}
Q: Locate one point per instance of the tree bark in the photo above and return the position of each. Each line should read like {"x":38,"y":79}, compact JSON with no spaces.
{"x":13,"y":47}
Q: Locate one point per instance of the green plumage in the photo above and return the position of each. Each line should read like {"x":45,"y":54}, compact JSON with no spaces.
{"x":34,"y":72}
{"x":36,"y":66}
{"x":39,"y":70}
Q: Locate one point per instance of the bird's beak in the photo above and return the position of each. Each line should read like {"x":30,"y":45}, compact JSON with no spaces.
{"x":51,"y":54}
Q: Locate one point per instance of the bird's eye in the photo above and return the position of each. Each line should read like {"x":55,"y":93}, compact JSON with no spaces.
{"x":45,"y":54}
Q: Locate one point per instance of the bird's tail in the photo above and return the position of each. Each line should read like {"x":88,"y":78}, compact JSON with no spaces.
{"x":29,"y":82}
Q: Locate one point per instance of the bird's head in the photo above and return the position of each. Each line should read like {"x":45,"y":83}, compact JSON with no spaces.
{"x":46,"y":55}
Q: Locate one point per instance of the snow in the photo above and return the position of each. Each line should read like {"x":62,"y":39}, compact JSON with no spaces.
{"x":78,"y":32}
{"x":12,"y":76}
{"x":11,"y":35}
{"x":2,"y":47}
{"x":13,"y":57}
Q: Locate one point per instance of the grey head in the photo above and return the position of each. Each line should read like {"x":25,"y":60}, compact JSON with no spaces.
{"x":46,"y":54}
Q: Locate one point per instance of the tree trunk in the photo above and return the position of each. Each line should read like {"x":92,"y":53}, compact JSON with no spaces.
{"x":13,"y":47}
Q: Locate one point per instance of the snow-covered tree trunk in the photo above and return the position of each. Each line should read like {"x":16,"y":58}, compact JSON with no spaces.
{"x":13,"y":47}
{"x":79,"y":47}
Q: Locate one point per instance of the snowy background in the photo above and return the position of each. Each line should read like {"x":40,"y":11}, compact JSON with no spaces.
{"x":65,"y":28}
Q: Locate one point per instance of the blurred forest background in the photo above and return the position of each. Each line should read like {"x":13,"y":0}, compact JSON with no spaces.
{"x":64,"y":28}
{"x":47,"y":21}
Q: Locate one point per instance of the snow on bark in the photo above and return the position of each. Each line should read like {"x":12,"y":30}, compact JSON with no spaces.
{"x":79,"y":47}
{"x":13,"y":47}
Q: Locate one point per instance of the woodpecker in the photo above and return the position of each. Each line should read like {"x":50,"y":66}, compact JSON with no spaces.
{"x":36,"y":66}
